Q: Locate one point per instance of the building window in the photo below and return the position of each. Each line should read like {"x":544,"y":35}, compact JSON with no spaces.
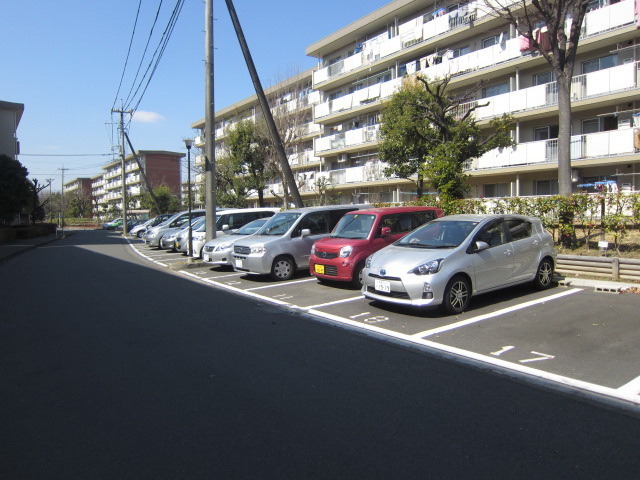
{"x":492,"y":190}
{"x":601,"y":63}
{"x":545,"y":133}
{"x":495,"y":90}
{"x":458,"y":52}
{"x":600,"y":124}
{"x":490,"y":41}
{"x":543,"y":78}
{"x":546,"y":187}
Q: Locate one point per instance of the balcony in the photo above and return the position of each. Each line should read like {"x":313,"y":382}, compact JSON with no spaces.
{"x":591,"y":85}
{"x":608,"y":18}
{"x":417,"y":31}
{"x":583,"y":147}
{"x":350,"y":138}
{"x":409,"y":34}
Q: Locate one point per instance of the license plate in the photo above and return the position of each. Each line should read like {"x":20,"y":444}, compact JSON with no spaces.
{"x":238,"y":263}
{"x":383,"y":286}
{"x":319,"y":269}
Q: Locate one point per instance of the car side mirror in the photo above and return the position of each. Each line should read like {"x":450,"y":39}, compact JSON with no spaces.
{"x":385,"y":231}
{"x":305,"y":232}
{"x":480,"y":246}
{"x":225,"y":228}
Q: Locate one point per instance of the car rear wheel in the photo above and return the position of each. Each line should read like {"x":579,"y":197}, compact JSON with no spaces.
{"x":457,"y":295}
{"x":544,"y":274}
{"x":140,"y":233}
{"x":283,"y":268}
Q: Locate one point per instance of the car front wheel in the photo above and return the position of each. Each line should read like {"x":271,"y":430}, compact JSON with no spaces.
{"x":457,"y":295}
{"x":544,"y":274}
{"x":283,"y":268}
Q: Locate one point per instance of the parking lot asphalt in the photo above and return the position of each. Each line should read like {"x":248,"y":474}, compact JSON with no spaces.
{"x":581,"y":335}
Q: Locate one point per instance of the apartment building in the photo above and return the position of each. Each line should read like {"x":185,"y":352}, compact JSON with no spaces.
{"x":80,"y":186}
{"x":291,"y":102}
{"x":10,"y":115}
{"x":160,"y":167}
{"x":362,"y":65}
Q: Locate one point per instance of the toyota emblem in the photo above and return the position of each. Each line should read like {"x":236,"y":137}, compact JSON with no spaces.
{"x":383,"y":271}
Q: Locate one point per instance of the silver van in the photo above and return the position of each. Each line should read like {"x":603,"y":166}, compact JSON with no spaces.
{"x":283,"y":244}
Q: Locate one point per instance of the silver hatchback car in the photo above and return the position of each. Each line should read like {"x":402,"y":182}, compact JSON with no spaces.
{"x":447,"y":260}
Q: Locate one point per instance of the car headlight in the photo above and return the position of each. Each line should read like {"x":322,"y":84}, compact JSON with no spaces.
{"x":259,"y":249}
{"x":428,"y":268}
{"x":367,"y":262}
{"x":224,"y":246}
{"x":346,"y":251}
{"x":313,"y":249}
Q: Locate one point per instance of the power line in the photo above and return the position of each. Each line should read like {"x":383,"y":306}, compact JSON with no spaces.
{"x":157,"y":55}
{"x":128,"y":53}
{"x":65,"y":154}
{"x":144,"y":53}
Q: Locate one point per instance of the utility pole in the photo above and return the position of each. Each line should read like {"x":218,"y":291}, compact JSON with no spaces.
{"x":209,"y":128}
{"x":122,"y":163}
{"x":50,"y":180}
{"x":62,"y":202}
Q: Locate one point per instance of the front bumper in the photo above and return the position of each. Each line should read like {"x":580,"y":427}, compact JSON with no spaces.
{"x":409,"y":290}
{"x":252,"y":263}
{"x":218,"y":257}
{"x":338,"y":269}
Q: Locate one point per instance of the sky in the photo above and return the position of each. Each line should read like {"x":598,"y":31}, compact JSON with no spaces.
{"x":65,"y":61}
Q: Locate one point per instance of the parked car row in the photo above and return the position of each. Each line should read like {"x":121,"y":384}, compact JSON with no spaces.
{"x":412,"y":256}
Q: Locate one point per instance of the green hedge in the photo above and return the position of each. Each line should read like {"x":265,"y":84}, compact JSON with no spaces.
{"x":563,"y":216}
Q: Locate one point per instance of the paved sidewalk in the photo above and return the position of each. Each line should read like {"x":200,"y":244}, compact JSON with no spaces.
{"x":11,"y":249}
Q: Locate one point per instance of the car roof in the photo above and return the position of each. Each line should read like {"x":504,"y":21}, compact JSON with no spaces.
{"x":241,"y":210}
{"x":387,"y":210}
{"x":326,"y":207}
{"x":467,"y":217}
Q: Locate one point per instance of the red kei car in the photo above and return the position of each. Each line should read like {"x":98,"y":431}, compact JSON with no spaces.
{"x":360,"y":233}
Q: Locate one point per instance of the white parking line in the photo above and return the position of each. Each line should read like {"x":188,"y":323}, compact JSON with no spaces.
{"x":629,"y":392}
{"x":631,"y":388}
{"x":333,"y":303}
{"x":453,"y":326}
{"x":281,"y":284}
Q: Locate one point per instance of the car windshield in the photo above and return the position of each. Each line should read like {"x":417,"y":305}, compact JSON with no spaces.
{"x":354,"y":226}
{"x":280,"y":223}
{"x":438,"y":234}
{"x":199,"y":224}
{"x":251,"y":227}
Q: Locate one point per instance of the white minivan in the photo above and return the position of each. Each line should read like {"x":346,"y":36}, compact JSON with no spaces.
{"x":283,"y":244}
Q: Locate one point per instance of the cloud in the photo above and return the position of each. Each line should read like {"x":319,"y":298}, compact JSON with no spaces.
{"x":147,"y":117}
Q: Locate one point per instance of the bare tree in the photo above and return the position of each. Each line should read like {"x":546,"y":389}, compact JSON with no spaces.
{"x":291,"y":114}
{"x":558,"y":44}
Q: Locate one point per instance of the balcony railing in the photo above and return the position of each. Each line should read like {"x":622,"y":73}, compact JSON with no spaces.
{"x":358,"y":136}
{"x":593,"y":145}
{"x":602,"y":82}
{"x":416,"y":31}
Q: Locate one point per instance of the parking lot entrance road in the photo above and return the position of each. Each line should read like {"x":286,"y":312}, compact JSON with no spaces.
{"x":574,"y":337}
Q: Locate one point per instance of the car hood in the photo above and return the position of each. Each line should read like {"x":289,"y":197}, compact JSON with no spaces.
{"x":335,"y":244}
{"x":399,"y":260}
{"x":224,"y":239}
{"x":250,"y":240}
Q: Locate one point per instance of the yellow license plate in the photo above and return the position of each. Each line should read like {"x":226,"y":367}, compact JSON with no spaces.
{"x":319,"y":268}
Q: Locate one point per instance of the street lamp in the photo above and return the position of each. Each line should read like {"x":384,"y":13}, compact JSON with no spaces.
{"x":188,"y":142}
